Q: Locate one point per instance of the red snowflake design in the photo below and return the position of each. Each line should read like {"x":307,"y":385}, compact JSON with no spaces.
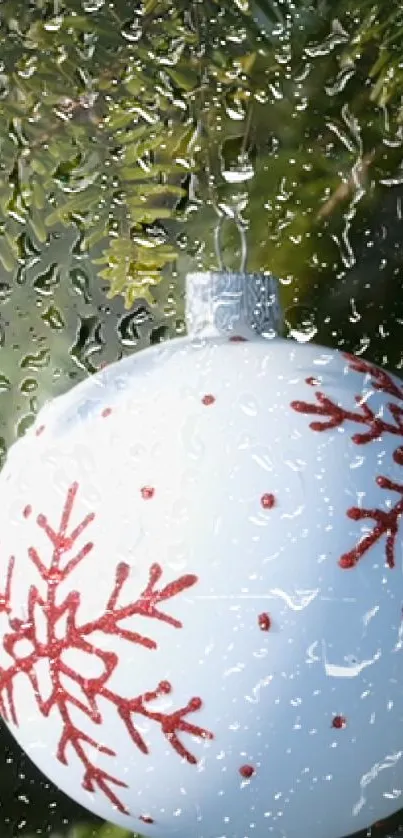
{"x":385,"y":522}
{"x":78,"y":636}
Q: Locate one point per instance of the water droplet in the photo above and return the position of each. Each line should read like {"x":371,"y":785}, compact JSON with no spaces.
{"x":92,"y":5}
{"x":239,"y":175}
{"x":249,"y":405}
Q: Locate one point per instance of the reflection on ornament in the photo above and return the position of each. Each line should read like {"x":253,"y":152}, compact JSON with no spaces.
{"x":181,"y":535}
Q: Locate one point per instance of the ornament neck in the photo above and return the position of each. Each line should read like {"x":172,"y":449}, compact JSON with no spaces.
{"x":220,"y":303}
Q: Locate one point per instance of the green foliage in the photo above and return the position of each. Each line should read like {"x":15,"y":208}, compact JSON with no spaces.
{"x":104,"y":831}
{"x":107,"y":830}
{"x":87,"y":137}
{"x":127,"y":124}
{"x":134,"y":266}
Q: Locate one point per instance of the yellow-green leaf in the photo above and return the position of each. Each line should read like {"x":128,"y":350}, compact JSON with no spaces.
{"x":38,"y":194}
{"x":37,"y":223}
{"x":7,"y":256}
{"x":84,"y":201}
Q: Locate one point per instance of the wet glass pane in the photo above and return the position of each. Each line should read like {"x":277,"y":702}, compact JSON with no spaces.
{"x":128,"y":131}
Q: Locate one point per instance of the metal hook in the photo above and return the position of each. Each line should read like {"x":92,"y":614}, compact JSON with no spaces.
{"x":241,"y":227}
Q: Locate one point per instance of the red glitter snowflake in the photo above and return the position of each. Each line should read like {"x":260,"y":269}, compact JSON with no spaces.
{"x":385,"y":522}
{"x":79,"y":636}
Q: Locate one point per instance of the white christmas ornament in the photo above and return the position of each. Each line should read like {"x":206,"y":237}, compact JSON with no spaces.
{"x":201,"y":582}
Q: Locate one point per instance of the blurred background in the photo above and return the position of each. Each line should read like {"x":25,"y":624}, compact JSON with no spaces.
{"x":128,"y":130}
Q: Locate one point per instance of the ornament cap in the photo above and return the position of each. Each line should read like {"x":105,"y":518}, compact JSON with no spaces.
{"x":220,"y":303}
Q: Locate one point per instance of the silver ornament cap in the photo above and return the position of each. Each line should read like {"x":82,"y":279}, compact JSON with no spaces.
{"x":225,"y":303}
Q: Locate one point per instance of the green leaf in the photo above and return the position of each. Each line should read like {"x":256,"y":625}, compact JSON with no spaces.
{"x":139,"y":173}
{"x":104,"y":831}
{"x":186,"y":79}
{"x":132,"y":269}
{"x":136,"y":134}
{"x":38,"y":194}
{"x":383,"y":58}
{"x":42,"y":164}
{"x":134,"y":85}
{"x":150,"y":6}
{"x":36,"y":221}
{"x":108,"y":830}
{"x":135,"y":151}
{"x":6,"y":193}
{"x":120,"y":118}
{"x":95,"y":234}
{"x":147,"y":215}
{"x":157,"y":190}
{"x":61,"y":151}
{"x":81,"y":203}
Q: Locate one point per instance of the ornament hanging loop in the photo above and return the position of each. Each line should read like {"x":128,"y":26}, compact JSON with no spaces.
{"x":229,"y":302}
{"x":241,"y":227}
